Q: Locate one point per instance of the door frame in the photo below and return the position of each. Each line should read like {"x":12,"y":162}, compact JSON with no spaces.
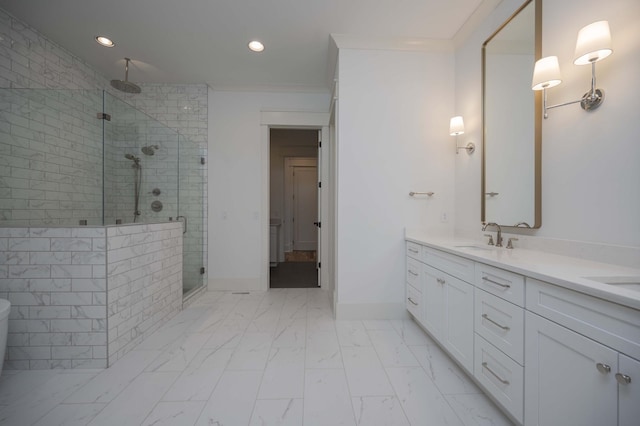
{"x":296,"y":120}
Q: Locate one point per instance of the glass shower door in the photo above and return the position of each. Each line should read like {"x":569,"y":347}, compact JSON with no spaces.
{"x":191,"y":208}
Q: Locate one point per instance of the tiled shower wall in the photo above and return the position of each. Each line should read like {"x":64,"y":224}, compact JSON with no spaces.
{"x":30,"y":60}
{"x":144,"y":282}
{"x":82,"y":297}
{"x":56,"y":283}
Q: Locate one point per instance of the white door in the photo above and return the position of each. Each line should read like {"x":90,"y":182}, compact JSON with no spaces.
{"x":458,"y":320}
{"x":432,"y":299}
{"x":569,"y":379}
{"x":305,"y":208}
{"x":628,"y":391}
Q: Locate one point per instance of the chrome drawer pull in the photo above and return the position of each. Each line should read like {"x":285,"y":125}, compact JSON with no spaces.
{"x":440,"y":280}
{"x":413,"y":273}
{"x":603,"y":368}
{"x":503,"y":381}
{"x":411,"y":300}
{"x":623,"y":379}
{"x":496,"y":283}
{"x":504,"y":327}
{"x":414,"y":251}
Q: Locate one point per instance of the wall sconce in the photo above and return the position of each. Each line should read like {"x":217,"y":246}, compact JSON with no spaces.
{"x":456,"y":127}
{"x":593,"y":45}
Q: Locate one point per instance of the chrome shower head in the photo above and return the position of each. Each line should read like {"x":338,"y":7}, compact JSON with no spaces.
{"x":125,"y":85}
{"x":129,"y":157}
{"x":149,"y":149}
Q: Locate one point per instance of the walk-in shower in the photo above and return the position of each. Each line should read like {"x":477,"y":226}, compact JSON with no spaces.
{"x":111,"y":160}
{"x":137,"y":184}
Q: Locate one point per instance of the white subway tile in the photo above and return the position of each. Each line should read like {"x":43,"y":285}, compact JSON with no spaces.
{"x":49,"y":257}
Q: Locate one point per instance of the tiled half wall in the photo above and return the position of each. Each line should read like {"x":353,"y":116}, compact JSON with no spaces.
{"x":82,"y":297}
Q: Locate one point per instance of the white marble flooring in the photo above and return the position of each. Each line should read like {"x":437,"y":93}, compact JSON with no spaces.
{"x":271,"y":358}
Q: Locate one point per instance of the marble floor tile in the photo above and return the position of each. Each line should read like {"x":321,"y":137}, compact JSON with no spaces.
{"x":284,"y":374}
{"x":365,"y":374}
{"x":174,"y":414}
{"x":323,"y":350}
{"x":252,"y":352}
{"x":326,"y":398}
{"x":266,"y":358}
{"x":277,"y":412}
{"x":444,"y":372}
{"x":200,"y":377}
{"x":477,"y":410}
{"x":391,"y":349}
{"x":379,"y":411}
{"x":71,"y":415}
{"x":232,"y":400}
{"x":108,"y":384}
{"x":34,"y":405}
{"x":352,"y":333}
{"x":411,"y":333}
{"x":179,"y":355}
{"x":136,"y":401}
{"x":422,"y":402}
{"x":290,"y":333}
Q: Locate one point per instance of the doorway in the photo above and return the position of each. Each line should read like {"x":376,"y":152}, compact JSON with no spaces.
{"x":294,"y":208}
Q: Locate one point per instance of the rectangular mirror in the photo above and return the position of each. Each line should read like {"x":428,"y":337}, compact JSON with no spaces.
{"x":512,"y":121}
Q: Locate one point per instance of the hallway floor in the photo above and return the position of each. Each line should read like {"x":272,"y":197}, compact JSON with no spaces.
{"x":293,"y":275}
{"x":269,"y":358}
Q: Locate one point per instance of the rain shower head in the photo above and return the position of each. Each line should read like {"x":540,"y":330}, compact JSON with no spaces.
{"x":149,"y":149}
{"x":125,"y":85}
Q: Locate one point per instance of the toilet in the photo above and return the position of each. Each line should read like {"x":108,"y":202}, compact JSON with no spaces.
{"x":4,"y":327}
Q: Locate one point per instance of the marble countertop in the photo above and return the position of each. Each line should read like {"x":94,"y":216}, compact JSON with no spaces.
{"x":564,"y":271}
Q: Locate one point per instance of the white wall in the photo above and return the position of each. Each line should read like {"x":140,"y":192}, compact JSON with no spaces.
{"x":590,"y":161}
{"x":393,"y":120}
{"x":236,"y":215}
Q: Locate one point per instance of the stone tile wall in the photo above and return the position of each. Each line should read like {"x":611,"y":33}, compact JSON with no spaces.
{"x":56,"y":283}
{"x":82,"y":297}
{"x":144,"y":282}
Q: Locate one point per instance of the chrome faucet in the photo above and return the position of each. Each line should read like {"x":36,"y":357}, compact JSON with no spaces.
{"x":498,"y":236}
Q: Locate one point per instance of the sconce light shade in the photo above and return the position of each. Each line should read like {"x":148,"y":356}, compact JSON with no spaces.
{"x":594,"y":43}
{"x":546,"y":73}
{"x":456,"y":126}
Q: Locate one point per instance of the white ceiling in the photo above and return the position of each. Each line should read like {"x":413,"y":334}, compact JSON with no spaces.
{"x":204,"y":41}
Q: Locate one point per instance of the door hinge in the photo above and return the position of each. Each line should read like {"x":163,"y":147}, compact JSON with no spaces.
{"x":202,"y":160}
{"x":103,"y":116}
{"x":319,"y":144}
{"x":318,"y":224}
{"x":319,"y":184}
{"x":202,"y":270}
{"x":319,"y":265}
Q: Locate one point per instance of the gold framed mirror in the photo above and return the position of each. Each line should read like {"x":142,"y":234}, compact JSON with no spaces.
{"x":512,"y":121}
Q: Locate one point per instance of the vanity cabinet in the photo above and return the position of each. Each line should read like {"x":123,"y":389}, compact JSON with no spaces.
{"x":446,"y":300}
{"x":578,"y":365}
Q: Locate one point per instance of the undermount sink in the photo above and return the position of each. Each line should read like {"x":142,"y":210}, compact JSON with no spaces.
{"x":631,"y":283}
{"x":475,"y":247}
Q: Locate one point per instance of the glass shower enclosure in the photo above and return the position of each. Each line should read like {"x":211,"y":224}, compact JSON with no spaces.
{"x":76,"y":157}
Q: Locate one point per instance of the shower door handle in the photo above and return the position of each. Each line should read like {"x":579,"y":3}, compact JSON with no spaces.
{"x":185,"y":223}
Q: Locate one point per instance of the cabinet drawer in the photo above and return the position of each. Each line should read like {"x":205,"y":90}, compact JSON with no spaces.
{"x":611,"y":324}
{"x":451,"y":264}
{"x":501,"y":323}
{"x":501,"y":283}
{"x":414,"y":302}
{"x":414,"y":250}
{"x":413,"y":273}
{"x":501,"y":376}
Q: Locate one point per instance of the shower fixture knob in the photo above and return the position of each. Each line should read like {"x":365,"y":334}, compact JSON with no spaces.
{"x":156,"y":206}
{"x":155,"y":192}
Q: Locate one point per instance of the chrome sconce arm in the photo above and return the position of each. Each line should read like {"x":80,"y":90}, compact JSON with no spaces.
{"x":593,"y":45}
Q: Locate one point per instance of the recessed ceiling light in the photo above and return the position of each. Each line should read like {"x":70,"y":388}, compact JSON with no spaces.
{"x":105,"y":41}
{"x":256,"y":46}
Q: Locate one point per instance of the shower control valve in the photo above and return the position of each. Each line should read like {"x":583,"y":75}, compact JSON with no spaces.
{"x":155,"y":192}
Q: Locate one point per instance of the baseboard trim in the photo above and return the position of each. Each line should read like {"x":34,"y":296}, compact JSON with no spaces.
{"x":360,"y":311}
{"x":235,"y":284}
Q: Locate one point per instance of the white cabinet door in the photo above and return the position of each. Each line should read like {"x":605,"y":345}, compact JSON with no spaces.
{"x":458,"y":320}
{"x":432,"y":300}
{"x":628,"y":391}
{"x":569,"y":379}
